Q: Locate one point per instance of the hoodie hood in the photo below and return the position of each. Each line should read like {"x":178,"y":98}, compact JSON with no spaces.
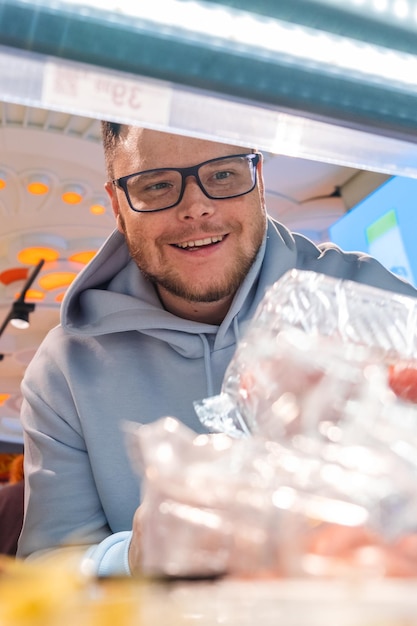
{"x":110,"y":295}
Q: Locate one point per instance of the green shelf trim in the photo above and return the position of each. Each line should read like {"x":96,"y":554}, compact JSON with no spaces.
{"x":231,"y":70}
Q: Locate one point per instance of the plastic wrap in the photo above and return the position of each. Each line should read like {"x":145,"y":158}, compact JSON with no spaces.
{"x":313,"y":467}
{"x":215,"y":505}
{"x":343,"y":328}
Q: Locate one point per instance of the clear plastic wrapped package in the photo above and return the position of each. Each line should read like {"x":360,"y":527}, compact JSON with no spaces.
{"x":311,"y":464}
{"x":215,"y":505}
{"x":343,"y":329}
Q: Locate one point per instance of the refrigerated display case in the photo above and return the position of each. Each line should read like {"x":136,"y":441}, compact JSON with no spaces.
{"x":322,"y":80}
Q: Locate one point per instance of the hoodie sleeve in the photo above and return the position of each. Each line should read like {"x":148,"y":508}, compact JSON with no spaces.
{"x":62,"y":506}
{"x":79,"y":489}
{"x":110,"y":557}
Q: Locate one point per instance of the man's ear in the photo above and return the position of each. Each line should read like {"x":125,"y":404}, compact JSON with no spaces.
{"x":111,"y":192}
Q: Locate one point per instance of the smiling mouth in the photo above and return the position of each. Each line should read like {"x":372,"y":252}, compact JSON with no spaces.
{"x":200,"y":243}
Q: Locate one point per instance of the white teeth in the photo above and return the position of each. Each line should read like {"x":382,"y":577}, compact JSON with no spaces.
{"x":200,"y":242}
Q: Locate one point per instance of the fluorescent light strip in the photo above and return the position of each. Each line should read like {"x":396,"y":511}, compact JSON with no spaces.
{"x":257,"y":35}
{"x":387,"y":10}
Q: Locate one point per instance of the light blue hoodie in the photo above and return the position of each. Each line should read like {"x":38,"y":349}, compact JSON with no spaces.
{"x":118,"y":355}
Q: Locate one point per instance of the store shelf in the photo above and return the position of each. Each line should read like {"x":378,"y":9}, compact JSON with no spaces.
{"x":107,"y":64}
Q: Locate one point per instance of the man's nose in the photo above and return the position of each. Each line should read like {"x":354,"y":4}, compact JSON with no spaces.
{"x":194,"y":203}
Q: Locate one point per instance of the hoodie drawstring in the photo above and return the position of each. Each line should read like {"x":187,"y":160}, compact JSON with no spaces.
{"x":236,"y":329}
{"x":207,"y":365}
{"x":207,"y":356}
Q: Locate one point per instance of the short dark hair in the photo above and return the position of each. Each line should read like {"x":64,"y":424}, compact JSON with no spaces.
{"x":110,"y":133}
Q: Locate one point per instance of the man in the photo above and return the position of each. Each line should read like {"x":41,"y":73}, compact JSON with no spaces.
{"x":149,"y":327}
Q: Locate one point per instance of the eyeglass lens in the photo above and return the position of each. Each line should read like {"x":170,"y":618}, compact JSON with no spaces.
{"x":219,"y":178}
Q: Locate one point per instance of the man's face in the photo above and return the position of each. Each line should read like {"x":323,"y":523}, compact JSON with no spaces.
{"x":158,"y":241}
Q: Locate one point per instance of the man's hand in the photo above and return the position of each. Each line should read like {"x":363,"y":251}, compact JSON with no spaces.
{"x":135,"y":548}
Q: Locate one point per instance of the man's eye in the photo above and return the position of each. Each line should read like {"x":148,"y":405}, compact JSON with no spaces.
{"x":154,"y":187}
{"x":158,"y":186}
{"x":222,"y":175}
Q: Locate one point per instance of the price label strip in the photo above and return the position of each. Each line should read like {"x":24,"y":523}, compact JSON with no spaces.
{"x":113,"y":97}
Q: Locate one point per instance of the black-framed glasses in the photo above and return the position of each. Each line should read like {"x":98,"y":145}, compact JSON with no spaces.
{"x":219,"y":179}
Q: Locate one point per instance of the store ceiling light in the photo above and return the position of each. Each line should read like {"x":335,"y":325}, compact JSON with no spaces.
{"x":18,"y":315}
{"x":82,"y":257}
{"x":34,"y":294}
{"x":56,"y":280}
{"x":38,"y":184}
{"x":3,"y":398}
{"x":97,"y":208}
{"x":3,"y":179}
{"x":33,"y":254}
{"x":72,"y":194}
{"x":13,"y":274}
